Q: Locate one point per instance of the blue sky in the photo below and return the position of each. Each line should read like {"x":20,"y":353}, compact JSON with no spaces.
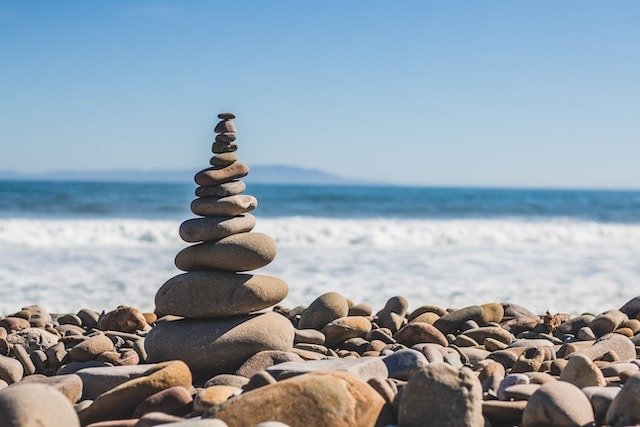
{"x":437,"y":93}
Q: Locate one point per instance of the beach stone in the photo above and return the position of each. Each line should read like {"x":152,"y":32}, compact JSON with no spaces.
{"x":509,"y":381}
{"x":227,"y":379}
{"x":426,"y":309}
{"x":14,"y":324}
{"x":90,"y":348}
{"x":558,"y":404}
{"x":20,"y":353}
{"x":450,"y":390}
{"x":404,"y":363}
{"x":121,"y":401}
{"x":218,"y":346}
{"x":343,"y":328}
{"x":219,"y":175}
{"x":240,"y":252}
{"x":35,"y":405}
{"x":221,"y":147}
{"x":131,"y":422}
{"x":322,"y":310}
{"x":69,"y":319}
{"x":451,"y":322}
{"x":586,"y":334}
{"x":503,"y":413}
{"x":226,"y":116}
{"x":607,"y":322}
{"x":581,"y":372}
{"x":520,"y":391}
{"x":362,"y":309}
{"x":322,"y":400}
{"x":123,"y":319}
{"x":225,"y":206}
{"x":89,"y":317}
{"x":224,"y":159}
{"x":601,"y":399}
{"x":491,"y":376}
{"x":393,"y":313}
{"x":418,"y":333}
{"x":226,"y":137}
{"x":632,"y":307}
{"x":493,"y":332}
{"x":225,"y":126}
{"x":625,"y":407}
{"x":492,"y":312}
{"x":197,"y":422}
{"x":153,"y":419}
{"x":428,"y":317}
{"x":69,"y":385}
{"x":213,"y":396}
{"x":529,"y":361}
{"x":97,"y":380}
{"x":309,"y":336}
{"x":175,"y":400}
{"x":218,"y":294}
{"x":230,"y":188}
{"x":364,"y":368}
{"x":215,"y":228}
{"x":264,"y":359}
{"x":11,"y":370}
{"x":616,"y":343}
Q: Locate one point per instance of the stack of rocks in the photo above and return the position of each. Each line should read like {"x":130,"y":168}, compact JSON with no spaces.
{"x":220,"y":329}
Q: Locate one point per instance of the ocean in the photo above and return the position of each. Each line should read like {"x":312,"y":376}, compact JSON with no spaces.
{"x":72,"y":245}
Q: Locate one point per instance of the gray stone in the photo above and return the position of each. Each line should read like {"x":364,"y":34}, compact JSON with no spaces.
{"x":404,"y":363}
{"x":240,"y":252}
{"x":228,"y":380}
{"x":221,"y":147}
{"x":216,"y":346}
{"x":509,"y":381}
{"x":218,"y":294}
{"x":215,"y":228}
{"x":309,"y":336}
{"x":632,"y":307}
{"x":223,"y":159}
{"x":35,"y":405}
{"x":225,"y":126}
{"x":581,"y":372}
{"x":455,"y":398}
{"x":225,"y":206}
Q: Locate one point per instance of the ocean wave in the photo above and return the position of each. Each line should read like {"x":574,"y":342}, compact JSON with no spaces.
{"x":324,"y":232}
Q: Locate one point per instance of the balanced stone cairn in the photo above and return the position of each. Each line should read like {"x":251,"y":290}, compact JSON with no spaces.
{"x":221,"y":328}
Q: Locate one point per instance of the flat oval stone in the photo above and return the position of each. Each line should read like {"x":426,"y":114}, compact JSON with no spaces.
{"x":215,"y":228}
{"x":240,"y":252}
{"x":226,"y":116}
{"x":218,"y":294}
{"x":223,"y":159}
{"x":219,"y":147}
{"x":219,"y":175}
{"x":215,"y":346}
{"x":227,"y":189}
{"x":225,"y":137}
{"x":226,"y":206}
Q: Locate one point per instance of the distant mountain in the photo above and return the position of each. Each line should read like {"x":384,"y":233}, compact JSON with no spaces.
{"x":268,"y":174}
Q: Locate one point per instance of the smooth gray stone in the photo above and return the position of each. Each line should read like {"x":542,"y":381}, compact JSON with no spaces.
{"x":404,"y":363}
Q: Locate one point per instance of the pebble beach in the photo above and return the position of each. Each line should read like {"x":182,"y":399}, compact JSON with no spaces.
{"x":220,"y":344}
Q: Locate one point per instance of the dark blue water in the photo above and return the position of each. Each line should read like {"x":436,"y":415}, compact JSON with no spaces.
{"x":166,"y":200}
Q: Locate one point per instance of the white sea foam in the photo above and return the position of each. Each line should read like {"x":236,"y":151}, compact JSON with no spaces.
{"x":562,"y":265}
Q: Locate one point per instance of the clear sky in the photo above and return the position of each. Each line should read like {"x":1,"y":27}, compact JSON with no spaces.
{"x":417,"y":92}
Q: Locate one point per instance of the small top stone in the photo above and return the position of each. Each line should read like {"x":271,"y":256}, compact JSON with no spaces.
{"x":226,"y":116}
